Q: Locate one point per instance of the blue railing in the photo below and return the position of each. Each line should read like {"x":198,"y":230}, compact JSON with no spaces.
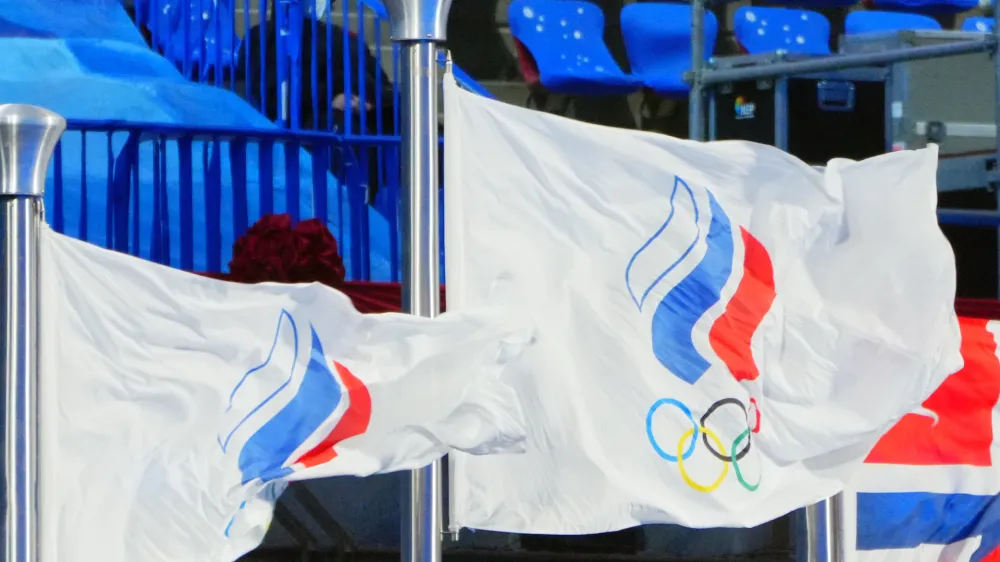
{"x":292,"y":66}
{"x":181,"y":196}
{"x":294,"y":63}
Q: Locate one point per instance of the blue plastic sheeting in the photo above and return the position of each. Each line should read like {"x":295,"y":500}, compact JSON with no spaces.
{"x":113,"y":80}
{"x":85,"y":60}
{"x":68,"y":19}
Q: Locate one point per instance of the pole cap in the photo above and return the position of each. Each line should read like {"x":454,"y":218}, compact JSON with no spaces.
{"x":28,"y":135}
{"x":418,"y":20}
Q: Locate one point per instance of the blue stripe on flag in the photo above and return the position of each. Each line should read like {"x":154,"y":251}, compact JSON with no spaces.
{"x":909,"y":519}
{"x":678,"y":183}
{"x":689,"y":300}
{"x":315,"y":401}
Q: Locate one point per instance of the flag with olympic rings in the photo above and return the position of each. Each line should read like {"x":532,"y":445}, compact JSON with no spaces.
{"x":722,"y":331}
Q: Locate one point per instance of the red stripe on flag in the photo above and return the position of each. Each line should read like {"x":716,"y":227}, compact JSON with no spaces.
{"x":354,"y":421}
{"x":731,"y":333}
{"x":963,"y":434}
{"x":993,"y":556}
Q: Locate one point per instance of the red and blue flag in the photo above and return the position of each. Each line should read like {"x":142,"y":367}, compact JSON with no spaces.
{"x":929,"y":489}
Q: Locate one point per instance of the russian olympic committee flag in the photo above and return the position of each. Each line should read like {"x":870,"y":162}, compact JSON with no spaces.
{"x":723,"y":332}
{"x":175,"y":408}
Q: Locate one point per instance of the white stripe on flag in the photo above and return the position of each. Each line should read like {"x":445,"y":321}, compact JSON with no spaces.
{"x":961,"y":551}
{"x":954,"y":479}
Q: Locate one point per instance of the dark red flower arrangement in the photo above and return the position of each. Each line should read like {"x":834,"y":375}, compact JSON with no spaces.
{"x":274,"y":251}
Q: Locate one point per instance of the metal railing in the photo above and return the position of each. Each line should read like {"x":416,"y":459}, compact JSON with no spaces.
{"x":181,"y":196}
{"x":299,"y":62}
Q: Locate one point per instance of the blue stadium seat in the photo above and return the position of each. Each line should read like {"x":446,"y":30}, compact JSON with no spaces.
{"x":978,"y":25}
{"x":658,"y":42}
{"x":766,"y":30}
{"x":884,"y":22}
{"x":926,"y":6}
{"x":566,"y":40}
{"x":814,"y":4}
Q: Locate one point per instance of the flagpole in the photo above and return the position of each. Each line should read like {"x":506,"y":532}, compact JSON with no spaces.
{"x":418,"y":27}
{"x":28,"y":136}
{"x":825,"y":531}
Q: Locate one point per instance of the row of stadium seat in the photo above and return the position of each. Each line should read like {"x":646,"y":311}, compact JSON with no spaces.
{"x":562,"y":47}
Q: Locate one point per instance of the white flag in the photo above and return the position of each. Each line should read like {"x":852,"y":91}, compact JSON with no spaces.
{"x":175,"y":408}
{"x":723,"y":332}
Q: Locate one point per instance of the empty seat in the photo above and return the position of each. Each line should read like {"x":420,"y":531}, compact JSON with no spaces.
{"x":885,"y":22}
{"x":565,"y":38}
{"x":978,"y":25}
{"x":658,"y":41}
{"x":814,"y":4}
{"x":927,"y":6}
{"x":766,"y":30}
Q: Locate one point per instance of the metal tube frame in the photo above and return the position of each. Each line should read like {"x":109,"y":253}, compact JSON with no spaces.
{"x":696,"y":107}
{"x":831,"y":511}
{"x":843,"y":62}
{"x":781,"y":112}
{"x":994,"y":183}
{"x":28,"y":136}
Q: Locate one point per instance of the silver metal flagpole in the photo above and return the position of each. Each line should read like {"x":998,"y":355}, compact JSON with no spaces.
{"x":28,"y":136}
{"x":418,"y":27}
{"x":825,"y":531}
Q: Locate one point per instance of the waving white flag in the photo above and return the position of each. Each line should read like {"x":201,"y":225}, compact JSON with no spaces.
{"x":176,"y":408}
{"x":723,"y":332}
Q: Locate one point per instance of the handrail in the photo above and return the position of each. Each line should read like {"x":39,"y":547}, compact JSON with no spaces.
{"x":711,"y":75}
{"x":225,"y":133}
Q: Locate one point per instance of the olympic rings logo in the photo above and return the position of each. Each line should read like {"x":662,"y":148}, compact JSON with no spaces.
{"x":689,"y":440}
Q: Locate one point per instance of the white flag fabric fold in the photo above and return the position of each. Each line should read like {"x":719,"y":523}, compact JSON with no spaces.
{"x":723,"y":332}
{"x":176,"y":408}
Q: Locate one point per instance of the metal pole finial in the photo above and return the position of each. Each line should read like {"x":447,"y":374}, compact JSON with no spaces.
{"x":418,"y":20}
{"x":28,"y":135}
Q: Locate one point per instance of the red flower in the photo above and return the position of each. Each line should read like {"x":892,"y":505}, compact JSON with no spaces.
{"x":271,"y":250}
{"x":318,"y":258}
{"x":266,"y":252}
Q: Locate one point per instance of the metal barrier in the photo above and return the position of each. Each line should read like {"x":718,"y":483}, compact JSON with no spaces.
{"x":181,"y":196}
